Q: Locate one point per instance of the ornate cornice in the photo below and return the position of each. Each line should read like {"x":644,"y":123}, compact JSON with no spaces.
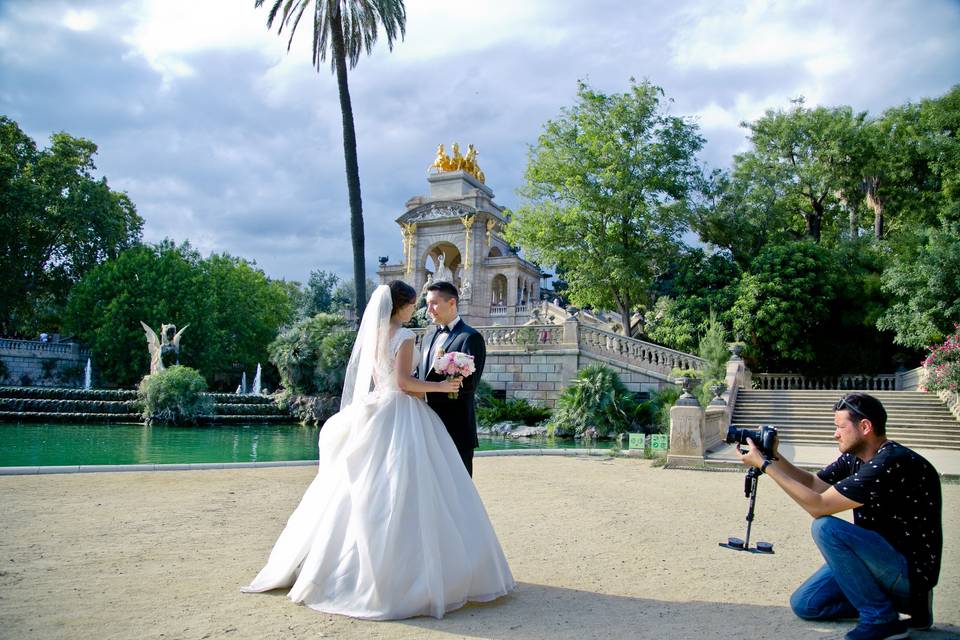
{"x":442,"y":210}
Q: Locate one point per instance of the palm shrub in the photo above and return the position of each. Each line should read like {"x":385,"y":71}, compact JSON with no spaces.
{"x":595,"y":398}
{"x":175,"y":395}
{"x":312,"y":355}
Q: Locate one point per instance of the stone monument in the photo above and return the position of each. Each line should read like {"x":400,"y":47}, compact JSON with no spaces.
{"x":455,"y":234}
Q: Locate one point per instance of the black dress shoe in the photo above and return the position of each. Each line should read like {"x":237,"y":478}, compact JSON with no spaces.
{"x":921,"y":610}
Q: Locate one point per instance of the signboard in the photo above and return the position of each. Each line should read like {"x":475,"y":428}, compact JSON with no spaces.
{"x":637,"y":441}
{"x":659,"y":442}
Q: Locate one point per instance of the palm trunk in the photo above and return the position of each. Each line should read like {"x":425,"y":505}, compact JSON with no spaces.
{"x":353,"y":169}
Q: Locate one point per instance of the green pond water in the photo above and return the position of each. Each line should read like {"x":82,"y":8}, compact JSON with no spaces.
{"x":29,"y":445}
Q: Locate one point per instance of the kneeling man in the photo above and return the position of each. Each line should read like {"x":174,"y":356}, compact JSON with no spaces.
{"x":888,"y":561}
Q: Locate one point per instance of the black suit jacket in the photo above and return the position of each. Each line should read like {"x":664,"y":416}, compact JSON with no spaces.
{"x":458,"y":414}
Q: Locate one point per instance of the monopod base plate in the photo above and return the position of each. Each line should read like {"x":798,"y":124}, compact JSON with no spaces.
{"x":763,"y":548}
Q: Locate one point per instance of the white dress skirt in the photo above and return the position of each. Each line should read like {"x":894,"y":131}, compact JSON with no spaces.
{"x":392,"y":526}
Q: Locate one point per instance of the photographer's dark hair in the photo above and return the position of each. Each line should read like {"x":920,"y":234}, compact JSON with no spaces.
{"x":401,"y":294}
{"x":445,"y":289}
{"x":863,"y":405}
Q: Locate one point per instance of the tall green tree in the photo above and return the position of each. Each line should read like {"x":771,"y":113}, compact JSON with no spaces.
{"x":343,"y":29}
{"x":696,"y":287}
{"x":606,"y":189}
{"x":58,"y":222}
{"x":783,"y":302}
{"x":809,"y":160}
{"x":924,"y":282}
{"x":319,"y":292}
{"x":233,"y":309}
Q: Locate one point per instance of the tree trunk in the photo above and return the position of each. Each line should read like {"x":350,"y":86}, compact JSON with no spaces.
{"x":814,"y":221}
{"x":871,"y":184}
{"x":623,"y":306}
{"x":353,"y":169}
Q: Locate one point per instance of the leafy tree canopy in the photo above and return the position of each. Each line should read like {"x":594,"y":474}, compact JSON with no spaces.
{"x":233,"y":309}
{"x":58,"y":222}
{"x":605,"y":192}
{"x":924,"y":282}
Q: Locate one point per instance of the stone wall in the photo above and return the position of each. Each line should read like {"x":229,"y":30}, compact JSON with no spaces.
{"x":531,"y":375}
{"x":42,"y":364}
{"x":536,"y":362}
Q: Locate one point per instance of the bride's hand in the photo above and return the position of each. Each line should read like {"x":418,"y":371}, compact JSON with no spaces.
{"x":451,"y":386}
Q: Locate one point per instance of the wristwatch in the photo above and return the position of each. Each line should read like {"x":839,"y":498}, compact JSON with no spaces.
{"x":766,"y":463}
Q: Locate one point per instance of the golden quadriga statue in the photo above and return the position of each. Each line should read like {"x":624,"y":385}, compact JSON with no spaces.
{"x":446,"y":164}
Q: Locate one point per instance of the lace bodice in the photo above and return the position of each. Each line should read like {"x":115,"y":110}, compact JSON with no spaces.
{"x":398,"y":338}
{"x":402,"y":335}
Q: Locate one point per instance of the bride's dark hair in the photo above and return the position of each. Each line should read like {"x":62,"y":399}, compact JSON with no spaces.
{"x":401,"y":294}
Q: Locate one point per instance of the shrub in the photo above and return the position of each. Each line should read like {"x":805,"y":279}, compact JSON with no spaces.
{"x":512,"y":410}
{"x":942,"y":365}
{"x":312,"y":355}
{"x":174,"y":396}
{"x":483,"y":394}
{"x":595,"y":398}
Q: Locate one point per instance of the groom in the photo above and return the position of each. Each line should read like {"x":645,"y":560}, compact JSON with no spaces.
{"x":450,"y":333}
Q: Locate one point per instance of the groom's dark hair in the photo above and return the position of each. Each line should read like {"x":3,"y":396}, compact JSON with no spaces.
{"x":445,"y":289}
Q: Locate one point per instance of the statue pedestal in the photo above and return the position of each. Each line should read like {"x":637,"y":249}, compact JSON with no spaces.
{"x":456,"y":184}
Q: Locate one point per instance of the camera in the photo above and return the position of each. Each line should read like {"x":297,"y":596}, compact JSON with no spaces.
{"x":765,"y":437}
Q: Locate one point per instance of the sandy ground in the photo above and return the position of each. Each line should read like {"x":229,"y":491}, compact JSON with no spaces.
{"x":601,"y":548}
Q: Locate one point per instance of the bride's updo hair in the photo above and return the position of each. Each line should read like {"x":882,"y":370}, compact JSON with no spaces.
{"x":401,"y":294}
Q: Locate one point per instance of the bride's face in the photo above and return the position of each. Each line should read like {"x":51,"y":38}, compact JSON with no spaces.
{"x":405,"y":312}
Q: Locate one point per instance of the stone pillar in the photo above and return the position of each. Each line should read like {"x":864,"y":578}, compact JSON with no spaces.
{"x":571,"y":331}
{"x":687,"y":442}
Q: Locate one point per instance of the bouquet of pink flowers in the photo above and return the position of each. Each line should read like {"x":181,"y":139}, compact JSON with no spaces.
{"x":454,"y":364}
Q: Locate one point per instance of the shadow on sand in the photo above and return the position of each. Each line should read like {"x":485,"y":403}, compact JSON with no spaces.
{"x":536,"y":611}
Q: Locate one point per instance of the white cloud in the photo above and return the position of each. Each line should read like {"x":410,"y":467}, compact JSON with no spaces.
{"x":80,"y":20}
{"x":753,"y":33}
{"x":168,"y":32}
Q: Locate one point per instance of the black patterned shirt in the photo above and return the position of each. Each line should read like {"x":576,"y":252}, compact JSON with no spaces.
{"x":900,"y":494}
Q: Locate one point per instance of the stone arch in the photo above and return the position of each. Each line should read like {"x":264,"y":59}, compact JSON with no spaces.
{"x":452,"y":259}
{"x":494,"y":252}
{"x":498,"y":290}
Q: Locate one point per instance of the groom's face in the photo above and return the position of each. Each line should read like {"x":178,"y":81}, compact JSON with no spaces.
{"x":440,"y":308}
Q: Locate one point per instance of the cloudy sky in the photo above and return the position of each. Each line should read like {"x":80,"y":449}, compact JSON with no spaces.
{"x":223,"y":138}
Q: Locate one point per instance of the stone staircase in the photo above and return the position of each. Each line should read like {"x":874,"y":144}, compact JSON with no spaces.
{"x":43,"y":404}
{"x":914,"y":419}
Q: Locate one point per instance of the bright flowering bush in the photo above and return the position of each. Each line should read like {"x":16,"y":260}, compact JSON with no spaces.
{"x":942,"y":365}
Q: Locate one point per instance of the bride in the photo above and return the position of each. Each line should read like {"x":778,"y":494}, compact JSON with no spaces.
{"x":392,"y":526}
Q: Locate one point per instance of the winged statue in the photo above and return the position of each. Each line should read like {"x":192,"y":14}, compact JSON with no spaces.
{"x":165,"y":350}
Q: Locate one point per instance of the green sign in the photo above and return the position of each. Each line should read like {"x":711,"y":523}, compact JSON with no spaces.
{"x":637,"y":441}
{"x":659,"y":442}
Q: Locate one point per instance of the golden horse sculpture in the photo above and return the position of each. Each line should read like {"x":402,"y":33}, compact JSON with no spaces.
{"x":468,"y":163}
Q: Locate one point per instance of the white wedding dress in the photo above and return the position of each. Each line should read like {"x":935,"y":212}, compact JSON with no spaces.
{"x":392,"y":526}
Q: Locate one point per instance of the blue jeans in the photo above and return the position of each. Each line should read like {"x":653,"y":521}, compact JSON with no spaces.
{"x":864,"y":576}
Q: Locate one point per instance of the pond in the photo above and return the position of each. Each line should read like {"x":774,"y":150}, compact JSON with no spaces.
{"x":31,"y":445}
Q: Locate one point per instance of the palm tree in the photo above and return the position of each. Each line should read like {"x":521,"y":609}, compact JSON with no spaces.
{"x":347,"y":27}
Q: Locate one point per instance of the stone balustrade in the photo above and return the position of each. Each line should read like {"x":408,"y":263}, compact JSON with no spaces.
{"x":910,"y":380}
{"x":537,"y":361}
{"x":42,"y":348}
{"x":636,"y":352}
{"x":880,"y":382}
{"x":531,"y":335}
{"x":49,"y":364}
